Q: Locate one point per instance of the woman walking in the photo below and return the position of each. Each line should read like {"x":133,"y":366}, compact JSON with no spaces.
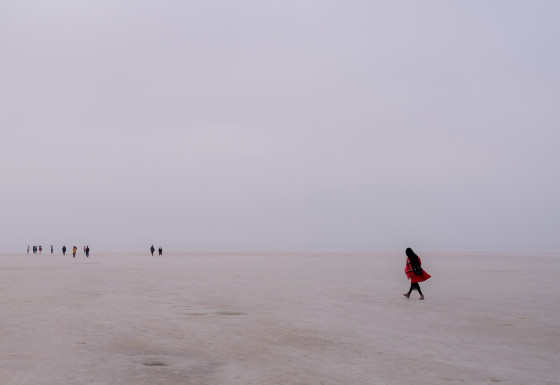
{"x":414,"y":272}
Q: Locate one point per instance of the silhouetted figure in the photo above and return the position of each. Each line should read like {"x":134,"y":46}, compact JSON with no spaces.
{"x":74,"y":249}
{"x":28,"y":250}
{"x":64,"y":250}
{"x":52,"y":249}
{"x":87,"y":251}
{"x":160,"y":251}
{"x":414,"y":272}
{"x":152,"y":249}
{"x":40,"y":249}
{"x":84,"y":249}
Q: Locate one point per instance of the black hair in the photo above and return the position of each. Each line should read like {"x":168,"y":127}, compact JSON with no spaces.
{"x":412,"y":257}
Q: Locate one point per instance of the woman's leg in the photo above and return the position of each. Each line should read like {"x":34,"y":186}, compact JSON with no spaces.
{"x":412,"y":287}
{"x":407,"y":295}
{"x":417,"y":287}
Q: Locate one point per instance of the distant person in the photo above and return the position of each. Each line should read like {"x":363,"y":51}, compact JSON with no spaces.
{"x":28,"y":250}
{"x":40,"y":249}
{"x":84,"y":249}
{"x":160,"y":251}
{"x":152,"y":249}
{"x":87,"y":251}
{"x":414,"y":272}
{"x":64,"y":250}
{"x":52,"y":249}
{"x":74,"y":249}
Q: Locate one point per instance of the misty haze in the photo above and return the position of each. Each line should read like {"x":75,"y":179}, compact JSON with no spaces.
{"x":280,"y":125}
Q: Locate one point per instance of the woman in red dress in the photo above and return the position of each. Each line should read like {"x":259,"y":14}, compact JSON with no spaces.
{"x":414,"y":272}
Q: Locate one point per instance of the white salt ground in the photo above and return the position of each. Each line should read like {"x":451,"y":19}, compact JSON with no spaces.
{"x":204,"y":318}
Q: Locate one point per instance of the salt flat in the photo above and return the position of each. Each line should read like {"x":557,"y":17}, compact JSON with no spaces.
{"x":278,"y":318}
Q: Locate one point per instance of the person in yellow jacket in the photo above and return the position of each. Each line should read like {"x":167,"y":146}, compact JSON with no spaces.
{"x":74,"y":251}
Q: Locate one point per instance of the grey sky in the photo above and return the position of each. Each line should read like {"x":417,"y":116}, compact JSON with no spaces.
{"x":275,"y":125}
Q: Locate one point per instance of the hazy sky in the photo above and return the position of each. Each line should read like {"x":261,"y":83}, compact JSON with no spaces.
{"x":280,"y":125}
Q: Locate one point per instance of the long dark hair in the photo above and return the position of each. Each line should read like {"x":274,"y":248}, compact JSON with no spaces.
{"x":412,"y":257}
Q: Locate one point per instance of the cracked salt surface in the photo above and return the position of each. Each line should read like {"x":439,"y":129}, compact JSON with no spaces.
{"x":278,"y":319}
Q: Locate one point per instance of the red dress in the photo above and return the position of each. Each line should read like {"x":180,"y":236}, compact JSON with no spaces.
{"x":413,"y":277}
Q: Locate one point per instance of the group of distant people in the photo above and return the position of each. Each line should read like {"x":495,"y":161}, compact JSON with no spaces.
{"x":38,"y":249}
{"x":74,"y":250}
{"x":152,"y":249}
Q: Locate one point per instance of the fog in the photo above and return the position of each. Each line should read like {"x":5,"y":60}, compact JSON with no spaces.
{"x":280,"y":125}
